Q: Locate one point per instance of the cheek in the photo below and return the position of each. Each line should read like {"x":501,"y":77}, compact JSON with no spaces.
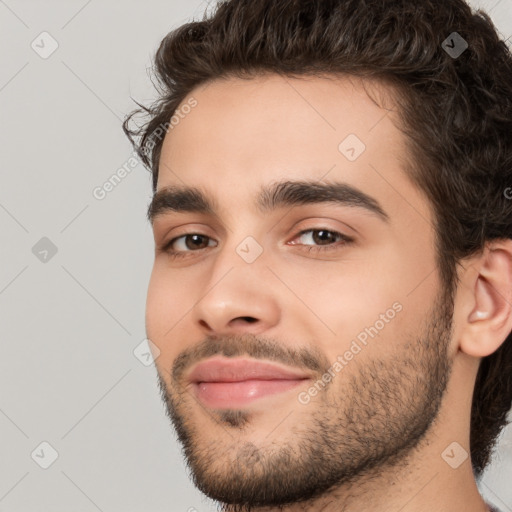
{"x":349,"y":292}
{"x":344,"y":300}
{"x":170,"y":299}
{"x":166,"y":304}
{"x":158,"y":302}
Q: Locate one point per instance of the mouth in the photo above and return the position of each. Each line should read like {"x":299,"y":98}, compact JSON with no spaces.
{"x":223,"y":383}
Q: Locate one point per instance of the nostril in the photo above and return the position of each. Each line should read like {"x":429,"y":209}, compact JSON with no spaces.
{"x":249,"y":319}
{"x":204,"y":324}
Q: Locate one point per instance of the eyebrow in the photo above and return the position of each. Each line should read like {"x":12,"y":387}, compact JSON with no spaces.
{"x":182,"y":199}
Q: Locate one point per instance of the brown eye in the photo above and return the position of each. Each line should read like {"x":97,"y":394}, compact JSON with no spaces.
{"x":191,"y":242}
{"x":323,"y":240}
{"x":195,"y":241}
{"x":321,"y":236}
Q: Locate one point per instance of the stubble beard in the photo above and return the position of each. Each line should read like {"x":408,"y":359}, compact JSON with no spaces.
{"x":366,"y":421}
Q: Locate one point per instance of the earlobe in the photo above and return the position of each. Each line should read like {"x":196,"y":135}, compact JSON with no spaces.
{"x":490,"y":321}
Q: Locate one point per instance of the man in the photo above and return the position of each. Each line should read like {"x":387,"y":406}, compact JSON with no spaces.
{"x":332,"y":287}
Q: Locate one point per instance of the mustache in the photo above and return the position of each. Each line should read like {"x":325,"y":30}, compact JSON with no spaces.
{"x":303,"y":357}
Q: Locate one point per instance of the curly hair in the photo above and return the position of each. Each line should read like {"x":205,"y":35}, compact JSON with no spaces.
{"x":455,"y":113}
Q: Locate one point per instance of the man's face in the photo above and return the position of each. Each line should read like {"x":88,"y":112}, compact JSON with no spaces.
{"x":341,"y":299}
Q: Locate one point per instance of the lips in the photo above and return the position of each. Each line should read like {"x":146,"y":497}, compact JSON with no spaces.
{"x":227,"y":383}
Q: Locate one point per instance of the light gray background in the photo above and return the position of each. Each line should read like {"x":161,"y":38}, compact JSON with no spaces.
{"x":69,"y":326}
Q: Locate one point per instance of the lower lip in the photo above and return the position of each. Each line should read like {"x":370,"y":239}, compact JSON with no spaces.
{"x":226,"y":395}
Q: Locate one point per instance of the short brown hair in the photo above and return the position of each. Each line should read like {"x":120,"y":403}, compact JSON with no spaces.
{"x":456,"y":113}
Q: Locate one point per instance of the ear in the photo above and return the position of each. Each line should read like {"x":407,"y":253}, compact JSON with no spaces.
{"x":490,"y":319}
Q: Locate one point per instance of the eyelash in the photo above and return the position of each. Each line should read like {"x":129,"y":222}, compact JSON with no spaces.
{"x":345,"y":240}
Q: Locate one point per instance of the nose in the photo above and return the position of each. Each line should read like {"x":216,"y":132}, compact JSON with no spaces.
{"x":238,"y":302}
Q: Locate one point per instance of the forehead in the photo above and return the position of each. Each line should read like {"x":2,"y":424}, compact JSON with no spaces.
{"x":244,"y":133}
{"x":281,"y":114}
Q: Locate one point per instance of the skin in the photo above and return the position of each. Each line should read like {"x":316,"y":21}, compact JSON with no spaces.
{"x":244,"y":134}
